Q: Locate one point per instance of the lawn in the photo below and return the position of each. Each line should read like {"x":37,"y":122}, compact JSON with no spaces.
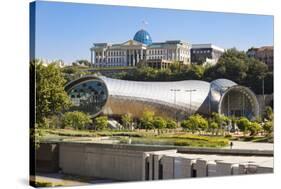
{"x":139,"y":137}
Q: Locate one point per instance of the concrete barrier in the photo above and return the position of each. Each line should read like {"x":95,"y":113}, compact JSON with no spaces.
{"x":100,"y":162}
{"x":47,"y":158}
{"x":131,"y":163}
{"x":234,"y":152}
{"x":223,"y":168}
{"x":168,"y":167}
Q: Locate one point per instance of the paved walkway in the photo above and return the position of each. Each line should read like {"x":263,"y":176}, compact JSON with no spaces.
{"x":252,"y":145}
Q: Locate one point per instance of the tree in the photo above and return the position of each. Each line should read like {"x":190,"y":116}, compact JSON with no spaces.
{"x":51,"y":97}
{"x":213,"y":126}
{"x":243,"y":124}
{"x":159,"y":123}
{"x":254,"y":128}
{"x":268,"y":127}
{"x":127,"y":121}
{"x":196,"y":72}
{"x":221,"y":120}
{"x":268,"y":113}
{"x":51,"y":122}
{"x":194,"y":123}
{"x":76,"y":120}
{"x":171,"y":124}
{"x":36,"y":135}
{"x":101,"y":122}
{"x":147,"y":119}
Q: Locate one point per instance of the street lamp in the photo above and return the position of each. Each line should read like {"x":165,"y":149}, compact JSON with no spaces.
{"x":190,"y":96}
{"x":175,"y":98}
{"x":175,"y":90}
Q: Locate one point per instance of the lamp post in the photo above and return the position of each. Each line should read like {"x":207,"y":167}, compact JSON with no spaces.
{"x":190,"y":97}
{"x":175,"y":98}
{"x":175,"y":94}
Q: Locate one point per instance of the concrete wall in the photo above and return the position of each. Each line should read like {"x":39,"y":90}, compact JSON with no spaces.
{"x":47,"y":158}
{"x":101,"y":162}
{"x":135,"y":163}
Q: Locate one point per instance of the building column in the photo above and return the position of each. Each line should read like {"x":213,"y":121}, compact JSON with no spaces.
{"x":130,"y":58}
{"x":92,"y":62}
{"x":138,"y":57}
{"x":134,"y":61}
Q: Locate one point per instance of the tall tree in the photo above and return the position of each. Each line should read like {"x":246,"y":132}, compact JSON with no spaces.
{"x":51,"y":97}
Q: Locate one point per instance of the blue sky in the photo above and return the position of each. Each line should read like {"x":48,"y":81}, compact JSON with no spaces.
{"x":67,"y":30}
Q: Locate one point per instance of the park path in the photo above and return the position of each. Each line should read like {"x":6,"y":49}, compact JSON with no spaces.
{"x":252,"y":145}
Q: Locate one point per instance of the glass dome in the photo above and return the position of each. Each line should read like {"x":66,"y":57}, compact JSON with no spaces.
{"x":143,"y":37}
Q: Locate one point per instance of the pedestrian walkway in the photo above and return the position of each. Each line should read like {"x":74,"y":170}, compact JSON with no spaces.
{"x":252,"y":145}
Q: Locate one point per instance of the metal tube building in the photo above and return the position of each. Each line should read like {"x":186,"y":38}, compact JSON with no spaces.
{"x":175,"y":99}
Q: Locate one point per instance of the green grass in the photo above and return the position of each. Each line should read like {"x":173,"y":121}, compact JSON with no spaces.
{"x":256,"y":139}
{"x":92,"y":133}
{"x":141,"y":137}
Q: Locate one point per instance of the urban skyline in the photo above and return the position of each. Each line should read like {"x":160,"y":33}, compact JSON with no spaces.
{"x":72,"y":28}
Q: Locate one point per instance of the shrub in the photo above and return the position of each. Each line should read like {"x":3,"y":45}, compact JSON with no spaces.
{"x":171,"y":124}
{"x":146,"y":121}
{"x":101,"y":122}
{"x":127,"y":121}
{"x":254,"y":128}
{"x":194,"y":123}
{"x":159,"y":122}
{"x":243,"y":124}
{"x":268,"y":127}
{"x":76,"y":120}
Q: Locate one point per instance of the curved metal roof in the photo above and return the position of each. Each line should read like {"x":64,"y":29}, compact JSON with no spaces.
{"x":188,"y":96}
{"x":222,"y":84}
{"x":161,"y":91}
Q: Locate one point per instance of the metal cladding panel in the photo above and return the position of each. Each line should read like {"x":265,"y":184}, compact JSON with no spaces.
{"x":191,"y":96}
{"x":218,"y":87}
{"x":160,"y":92}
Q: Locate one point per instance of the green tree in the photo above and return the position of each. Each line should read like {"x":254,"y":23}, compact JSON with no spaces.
{"x":194,"y":123}
{"x":254,"y":128}
{"x":196,"y":72}
{"x":171,"y":124}
{"x":127,"y":121}
{"x":101,"y":122}
{"x":76,"y":120}
{"x":51,"y":122}
{"x":81,"y":63}
{"x":268,"y":113}
{"x":221,"y":120}
{"x":159,"y":123}
{"x":51,"y":97}
{"x":268,"y":127}
{"x":36,"y":135}
{"x":213,"y":126}
{"x":243,"y":124}
{"x":147,"y":120}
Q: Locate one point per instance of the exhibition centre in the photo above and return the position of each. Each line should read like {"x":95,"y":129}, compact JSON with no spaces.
{"x":174,"y":99}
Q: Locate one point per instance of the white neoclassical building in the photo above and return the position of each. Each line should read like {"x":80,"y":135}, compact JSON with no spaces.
{"x":141,"y":48}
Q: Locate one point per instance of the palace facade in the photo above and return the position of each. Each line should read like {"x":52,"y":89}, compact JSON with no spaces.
{"x":140,"y":49}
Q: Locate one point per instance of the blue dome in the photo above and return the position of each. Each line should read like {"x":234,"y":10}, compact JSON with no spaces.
{"x":143,"y":37}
